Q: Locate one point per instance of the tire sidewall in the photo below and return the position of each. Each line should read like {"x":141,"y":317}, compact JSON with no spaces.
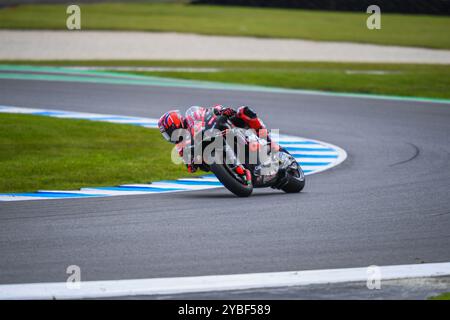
{"x":230,"y":182}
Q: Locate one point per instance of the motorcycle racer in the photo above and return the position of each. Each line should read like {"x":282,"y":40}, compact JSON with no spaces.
{"x":243,"y":117}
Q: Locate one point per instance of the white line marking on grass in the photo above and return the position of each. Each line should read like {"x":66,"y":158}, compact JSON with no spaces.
{"x":177,"y":285}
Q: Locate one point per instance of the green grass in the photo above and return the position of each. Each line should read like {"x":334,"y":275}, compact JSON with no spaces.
{"x":419,"y":81}
{"x":443,"y":296}
{"x":397,"y":29}
{"x":39,"y":152}
{"x":432,"y":81}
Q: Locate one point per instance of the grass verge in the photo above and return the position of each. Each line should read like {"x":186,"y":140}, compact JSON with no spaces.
{"x":397,"y":29}
{"x":416,"y":81}
{"x":443,"y":296}
{"x":421,"y":80}
{"x":39,"y":152}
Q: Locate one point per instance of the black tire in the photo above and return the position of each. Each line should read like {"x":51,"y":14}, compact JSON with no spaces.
{"x":230,"y":182}
{"x":295,"y":184}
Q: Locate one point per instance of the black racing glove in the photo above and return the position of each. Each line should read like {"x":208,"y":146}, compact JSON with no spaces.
{"x":229,"y":112}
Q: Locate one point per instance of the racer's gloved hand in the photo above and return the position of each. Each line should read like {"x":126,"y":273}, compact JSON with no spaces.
{"x":191,"y":168}
{"x":194,"y":164}
{"x":229,"y":112}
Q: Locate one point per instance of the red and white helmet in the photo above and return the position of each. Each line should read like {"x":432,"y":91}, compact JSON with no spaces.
{"x":169,"y":122}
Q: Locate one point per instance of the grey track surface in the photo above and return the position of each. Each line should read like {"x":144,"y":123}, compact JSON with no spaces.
{"x":388,"y":203}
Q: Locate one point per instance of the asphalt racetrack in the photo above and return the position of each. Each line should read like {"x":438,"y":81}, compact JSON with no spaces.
{"x":388,"y":203}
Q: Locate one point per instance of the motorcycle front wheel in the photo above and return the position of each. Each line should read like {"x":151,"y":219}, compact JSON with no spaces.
{"x":224,"y":174}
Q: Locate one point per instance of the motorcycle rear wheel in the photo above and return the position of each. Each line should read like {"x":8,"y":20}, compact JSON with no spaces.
{"x":295,"y":183}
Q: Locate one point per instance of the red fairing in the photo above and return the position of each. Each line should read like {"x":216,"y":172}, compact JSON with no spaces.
{"x":240,"y":170}
{"x":253,"y":123}
{"x":248,"y":175}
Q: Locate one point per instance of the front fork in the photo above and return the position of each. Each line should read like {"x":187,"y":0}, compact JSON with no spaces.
{"x":232,"y":161}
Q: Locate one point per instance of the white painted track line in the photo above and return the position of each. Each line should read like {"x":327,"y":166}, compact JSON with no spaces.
{"x":160,"y":286}
{"x":114,"y":192}
{"x":164,"y":185}
{"x":20,"y":198}
{"x":97,"y":192}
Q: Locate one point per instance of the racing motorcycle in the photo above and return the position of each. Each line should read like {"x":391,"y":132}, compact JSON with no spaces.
{"x":229,"y":147}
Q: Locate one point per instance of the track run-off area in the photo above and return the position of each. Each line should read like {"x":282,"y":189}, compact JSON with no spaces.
{"x":314,"y":156}
{"x":387,"y":204}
